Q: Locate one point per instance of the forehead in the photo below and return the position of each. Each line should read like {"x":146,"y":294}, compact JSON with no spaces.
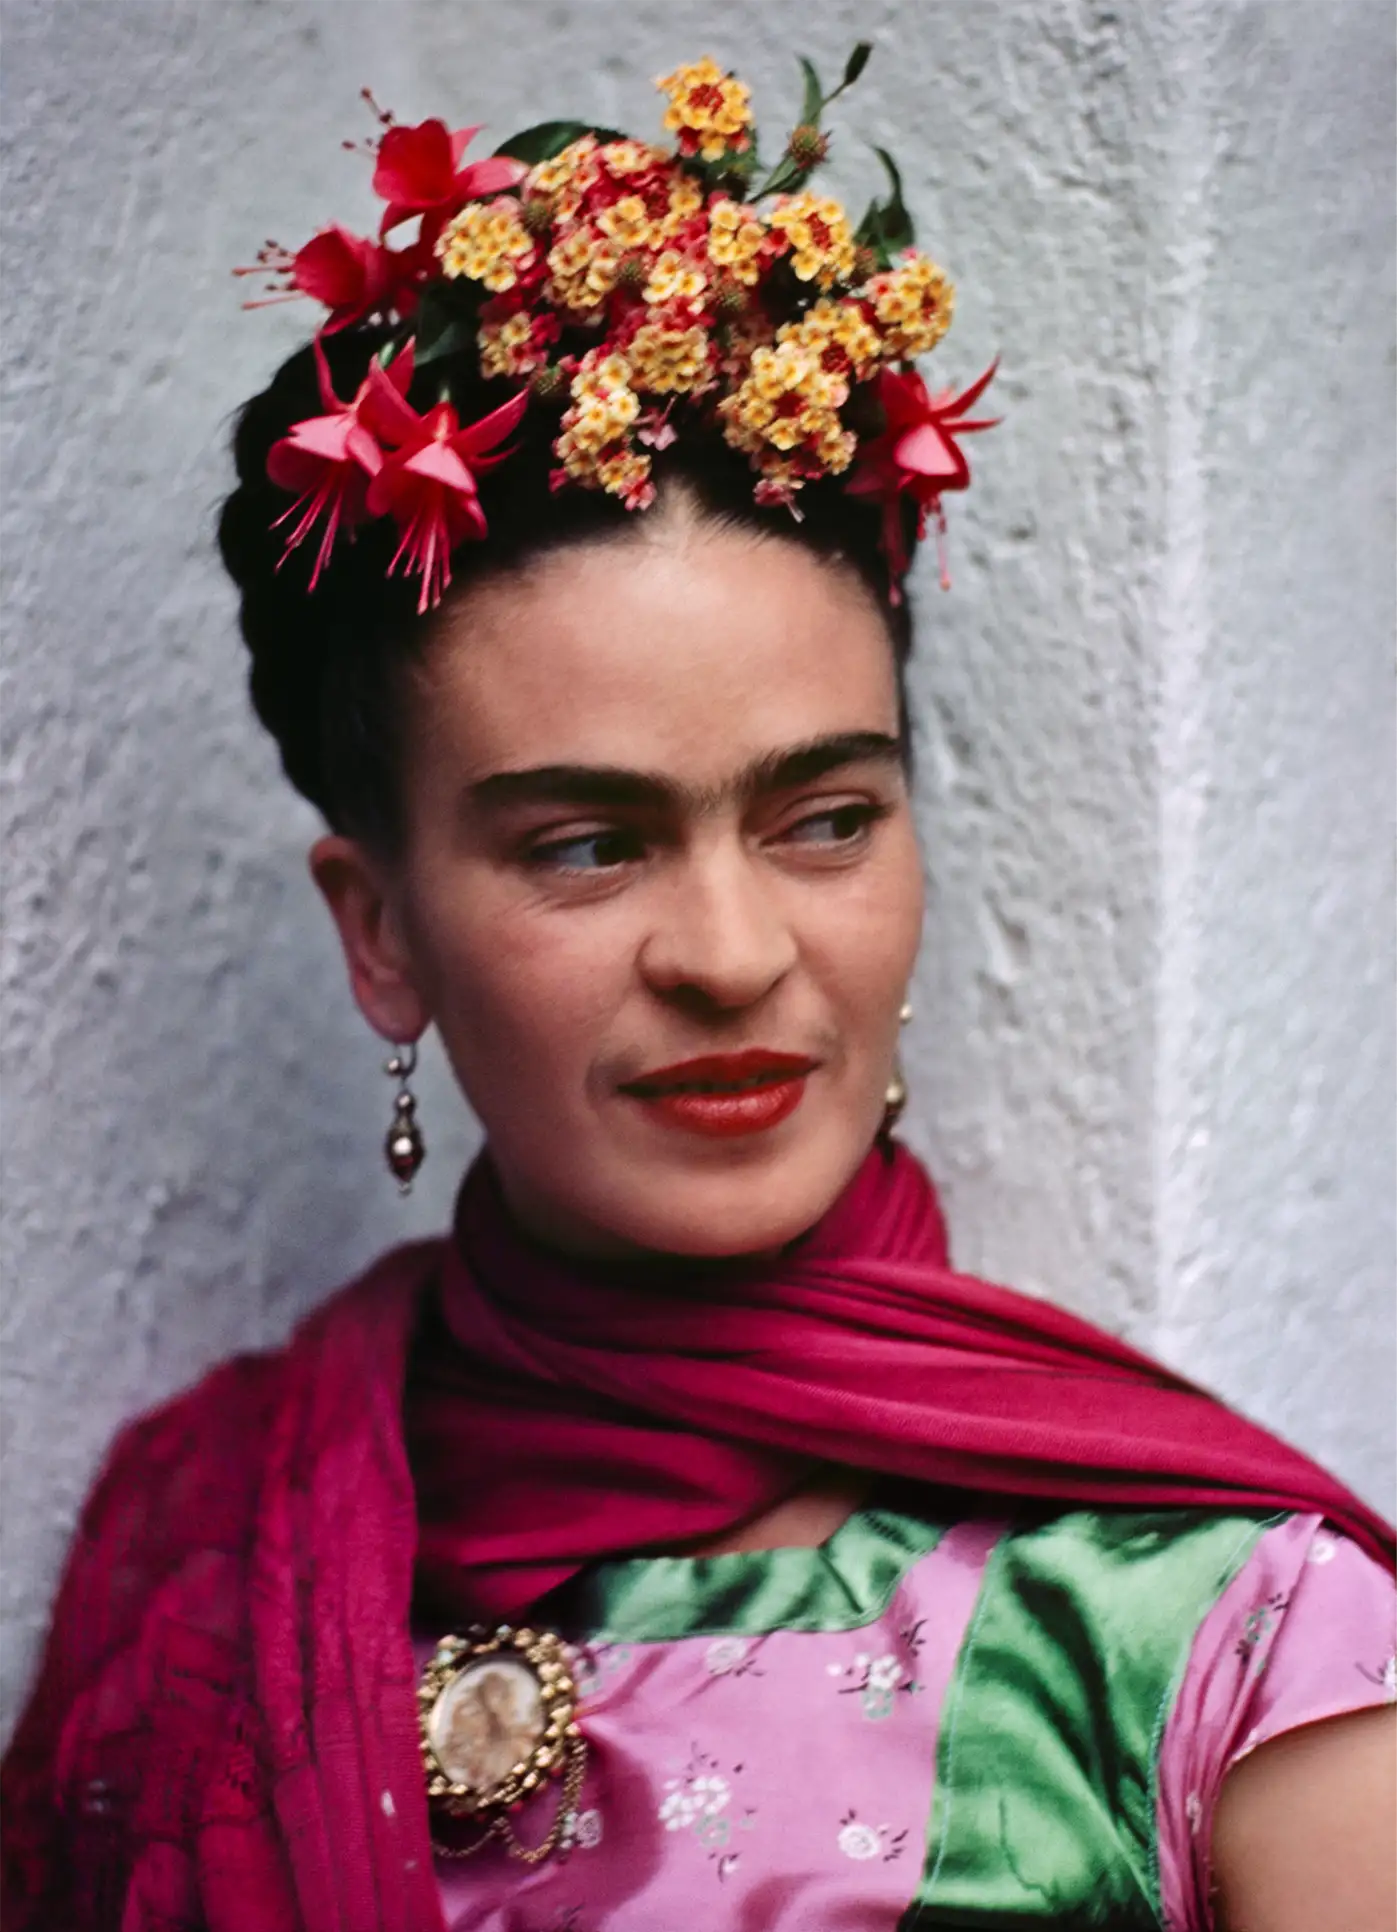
{"x":689,"y":653}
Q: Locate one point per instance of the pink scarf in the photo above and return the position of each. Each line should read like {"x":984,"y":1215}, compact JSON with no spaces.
{"x":606,"y":1410}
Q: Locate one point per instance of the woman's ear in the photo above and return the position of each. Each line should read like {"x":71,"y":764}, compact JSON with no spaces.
{"x":354,"y":887}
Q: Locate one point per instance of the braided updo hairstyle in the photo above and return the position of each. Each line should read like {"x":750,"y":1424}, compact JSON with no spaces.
{"x":328,"y":667}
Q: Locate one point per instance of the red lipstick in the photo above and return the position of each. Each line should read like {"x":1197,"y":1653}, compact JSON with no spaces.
{"x":725,"y":1094}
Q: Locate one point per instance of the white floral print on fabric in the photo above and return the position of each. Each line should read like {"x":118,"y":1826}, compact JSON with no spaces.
{"x":861,"y":1841}
{"x":731,"y":1657}
{"x":693,"y":1799}
{"x":1322,"y":1548}
{"x":594,"y":1665}
{"x":875,"y":1681}
{"x":1385,"y":1677}
{"x":678,"y":1809}
{"x":699,"y":1801}
{"x":712,"y":1794}
{"x":582,"y":1830}
{"x":1259,"y":1630}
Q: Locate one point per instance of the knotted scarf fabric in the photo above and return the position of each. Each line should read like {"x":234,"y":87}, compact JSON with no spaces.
{"x":564,"y":1413}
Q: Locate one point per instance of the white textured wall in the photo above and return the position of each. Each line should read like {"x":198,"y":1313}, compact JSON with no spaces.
{"x":1153,"y":1061}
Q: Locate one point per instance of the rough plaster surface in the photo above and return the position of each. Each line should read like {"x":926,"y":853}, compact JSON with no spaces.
{"x":1153,"y":1062}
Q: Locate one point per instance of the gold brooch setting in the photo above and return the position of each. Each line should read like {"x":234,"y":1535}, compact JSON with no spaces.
{"x":497,"y":1714}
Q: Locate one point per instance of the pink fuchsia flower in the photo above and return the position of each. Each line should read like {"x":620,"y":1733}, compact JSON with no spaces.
{"x":427,"y":485}
{"x":329,"y":461}
{"x":419,"y":172}
{"x":917,"y":455}
{"x":354,"y":277}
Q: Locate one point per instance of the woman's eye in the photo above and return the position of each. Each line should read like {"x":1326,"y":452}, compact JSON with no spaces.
{"x":588,"y":851}
{"x":841,"y":825}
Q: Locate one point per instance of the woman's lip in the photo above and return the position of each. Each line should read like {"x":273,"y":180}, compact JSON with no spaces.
{"x":725,"y":1113}
{"x":757,"y":1065}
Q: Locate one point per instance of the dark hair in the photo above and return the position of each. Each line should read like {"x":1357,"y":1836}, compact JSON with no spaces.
{"x":327,"y":666}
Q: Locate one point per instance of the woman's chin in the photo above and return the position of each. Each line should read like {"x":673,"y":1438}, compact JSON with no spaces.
{"x":701,"y":1210}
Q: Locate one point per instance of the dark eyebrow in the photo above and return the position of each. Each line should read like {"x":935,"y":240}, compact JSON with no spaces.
{"x":781,"y":770}
{"x":615,"y":786}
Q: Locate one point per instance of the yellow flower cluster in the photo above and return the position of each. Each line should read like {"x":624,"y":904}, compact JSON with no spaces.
{"x":632,"y":157}
{"x":841,"y":335}
{"x":675,"y":278}
{"x":627,"y":223}
{"x":668,"y":361}
{"x":596,"y":230}
{"x":737,"y":239}
{"x":594,"y":448}
{"x":685,"y":201}
{"x":487,"y":243}
{"x":604,"y":405}
{"x":790,"y":402}
{"x":563,"y":180}
{"x":816,"y":231}
{"x":740,"y":339}
{"x":709,"y":112}
{"x":625,"y":472}
{"x":630,"y":233}
{"x":508,"y":349}
{"x":582,"y":271}
{"x":913,"y":302}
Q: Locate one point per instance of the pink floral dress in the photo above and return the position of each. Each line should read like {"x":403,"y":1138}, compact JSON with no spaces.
{"x":933,"y":1723}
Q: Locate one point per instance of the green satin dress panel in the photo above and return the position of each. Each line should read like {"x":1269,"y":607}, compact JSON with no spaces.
{"x":845,"y":1584}
{"x":1044,"y":1811}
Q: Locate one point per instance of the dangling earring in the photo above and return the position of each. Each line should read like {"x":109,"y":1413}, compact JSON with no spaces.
{"x":895,"y":1099}
{"x":403,"y":1148}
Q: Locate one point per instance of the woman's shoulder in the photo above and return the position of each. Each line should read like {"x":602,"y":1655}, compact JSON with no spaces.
{"x":211,"y":1426}
{"x":1158,"y":1599}
{"x":151,"y":1623}
{"x":179,"y":1486}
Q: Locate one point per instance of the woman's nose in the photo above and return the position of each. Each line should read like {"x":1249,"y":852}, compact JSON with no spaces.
{"x":720,"y":935}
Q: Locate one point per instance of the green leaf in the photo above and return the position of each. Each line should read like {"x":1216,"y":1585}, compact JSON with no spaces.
{"x":441,"y":329}
{"x":853,"y":67}
{"x":887,"y":227}
{"x":541,"y":143}
{"x":731,"y":172}
{"x":453,"y":339}
{"x":814,"y":96}
{"x":858,"y":60}
{"x":898,"y":232}
{"x":784,"y":177}
{"x":753,"y":165}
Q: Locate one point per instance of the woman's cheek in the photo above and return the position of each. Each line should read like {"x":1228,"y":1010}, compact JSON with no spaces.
{"x":867,"y":937}
{"x":536,"y":988}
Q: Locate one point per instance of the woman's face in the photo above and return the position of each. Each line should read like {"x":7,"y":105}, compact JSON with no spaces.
{"x":656,"y":816}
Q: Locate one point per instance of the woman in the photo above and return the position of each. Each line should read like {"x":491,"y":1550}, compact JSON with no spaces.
{"x":679,"y":1541}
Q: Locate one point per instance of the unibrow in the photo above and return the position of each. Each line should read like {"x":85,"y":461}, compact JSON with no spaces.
{"x":617,"y":787}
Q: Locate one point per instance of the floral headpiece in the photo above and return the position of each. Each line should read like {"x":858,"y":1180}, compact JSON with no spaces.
{"x":631,"y":287}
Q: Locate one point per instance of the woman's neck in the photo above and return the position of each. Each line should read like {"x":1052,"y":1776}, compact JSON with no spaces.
{"x":802,"y":1521}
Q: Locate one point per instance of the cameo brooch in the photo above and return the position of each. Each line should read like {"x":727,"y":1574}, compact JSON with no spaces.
{"x":497,"y":1711}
